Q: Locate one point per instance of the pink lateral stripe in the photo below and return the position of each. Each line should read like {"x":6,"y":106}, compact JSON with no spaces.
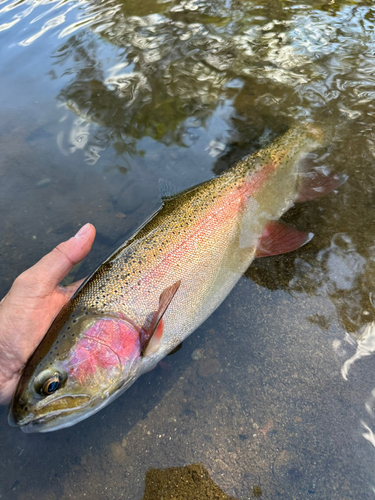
{"x":223,"y":212}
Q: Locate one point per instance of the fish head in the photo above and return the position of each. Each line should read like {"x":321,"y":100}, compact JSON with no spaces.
{"x":85,"y":360}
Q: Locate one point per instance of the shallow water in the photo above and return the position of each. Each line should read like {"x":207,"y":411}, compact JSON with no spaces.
{"x":101,"y":99}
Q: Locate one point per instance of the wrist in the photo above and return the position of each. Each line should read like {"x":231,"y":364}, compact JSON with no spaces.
{"x":7,"y":387}
{"x":9,"y":372}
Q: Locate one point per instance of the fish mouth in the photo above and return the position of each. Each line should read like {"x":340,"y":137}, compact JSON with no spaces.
{"x":54,"y":419}
{"x":45,"y":424}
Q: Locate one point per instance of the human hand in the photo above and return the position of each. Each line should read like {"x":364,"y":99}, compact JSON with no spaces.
{"x":33,"y":302}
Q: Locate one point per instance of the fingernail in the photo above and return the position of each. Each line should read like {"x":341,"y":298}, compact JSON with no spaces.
{"x":84,"y":229}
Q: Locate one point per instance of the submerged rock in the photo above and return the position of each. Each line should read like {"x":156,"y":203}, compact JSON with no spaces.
{"x":118,"y":452}
{"x":208,"y":367}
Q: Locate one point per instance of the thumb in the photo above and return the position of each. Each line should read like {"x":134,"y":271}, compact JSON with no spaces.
{"x":69,"y":290}
{"x":52,"y":268}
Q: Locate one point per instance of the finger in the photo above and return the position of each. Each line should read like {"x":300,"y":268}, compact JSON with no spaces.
{"x":52,"y":268}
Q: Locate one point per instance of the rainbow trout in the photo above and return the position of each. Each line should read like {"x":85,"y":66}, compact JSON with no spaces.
{"x":162,"y":283}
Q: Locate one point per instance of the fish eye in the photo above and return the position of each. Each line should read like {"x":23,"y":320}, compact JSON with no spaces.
{"x":48,"y":382}
{"x":51,"y":385}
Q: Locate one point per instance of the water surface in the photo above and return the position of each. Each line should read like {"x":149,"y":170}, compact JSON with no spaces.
{"x":100,"y":99}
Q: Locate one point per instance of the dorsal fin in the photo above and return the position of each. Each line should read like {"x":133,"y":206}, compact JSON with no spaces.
{"x":153,"y":336}
{"x":167,"y":190}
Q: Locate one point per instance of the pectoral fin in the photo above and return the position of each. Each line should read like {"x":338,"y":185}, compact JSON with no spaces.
{"x":279,"y":238}
{"x":154,"y":334}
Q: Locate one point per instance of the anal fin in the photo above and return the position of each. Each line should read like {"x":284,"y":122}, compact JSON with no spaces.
{"x":279,"y":238}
